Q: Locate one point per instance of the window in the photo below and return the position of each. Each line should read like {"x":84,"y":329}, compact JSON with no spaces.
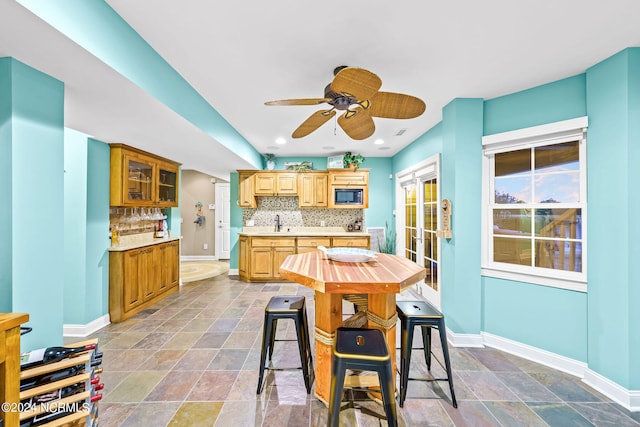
{"x":535,"y":204}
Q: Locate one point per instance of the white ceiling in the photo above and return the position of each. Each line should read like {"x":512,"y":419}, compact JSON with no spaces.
{"x":238,"y":55}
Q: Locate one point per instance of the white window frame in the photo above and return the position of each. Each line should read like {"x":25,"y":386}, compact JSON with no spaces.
{"x":553,"y":133}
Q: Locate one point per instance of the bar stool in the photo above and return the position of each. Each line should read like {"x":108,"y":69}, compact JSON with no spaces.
{"x":423,"y":314}
{"x":361,"y":349}
{"x":286,"y":307}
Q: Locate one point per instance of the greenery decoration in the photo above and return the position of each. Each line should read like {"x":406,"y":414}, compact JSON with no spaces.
{"x":353,"y":159}
{"x":389,"y":244}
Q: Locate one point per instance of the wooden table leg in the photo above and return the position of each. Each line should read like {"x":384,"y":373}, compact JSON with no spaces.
{"x":328,"y":319}
{"x":382,"y":315}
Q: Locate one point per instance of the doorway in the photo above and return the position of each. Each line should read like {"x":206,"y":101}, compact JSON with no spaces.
{"x":223,"y":221}
{"x":417,"y":197}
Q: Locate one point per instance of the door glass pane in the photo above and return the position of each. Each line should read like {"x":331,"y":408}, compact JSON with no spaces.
{"x":167,"y":185}
{"x":139,"y":181}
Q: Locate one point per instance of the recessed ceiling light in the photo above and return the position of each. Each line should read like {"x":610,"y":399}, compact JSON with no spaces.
{"x":328,"y":147}
{"x":281,"y":141}
{"x":378,"y":141}
{"x":384,"y":148}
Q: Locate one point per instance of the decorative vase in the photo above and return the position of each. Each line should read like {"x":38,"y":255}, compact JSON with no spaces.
{"x":271,"y":165}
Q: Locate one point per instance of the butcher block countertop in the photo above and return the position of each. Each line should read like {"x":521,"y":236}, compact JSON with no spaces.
{"x":301,"y":232}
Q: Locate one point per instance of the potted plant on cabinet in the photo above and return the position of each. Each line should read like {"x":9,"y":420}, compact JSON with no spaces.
{"x":271,"y":161}
{"x":352,"y":161}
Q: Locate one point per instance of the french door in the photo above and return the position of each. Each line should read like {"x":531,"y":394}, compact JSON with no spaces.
{"x":418,"y":199}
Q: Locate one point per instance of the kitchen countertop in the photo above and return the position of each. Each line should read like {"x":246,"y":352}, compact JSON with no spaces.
{"x":302,"y":231}
{"x":135,"y":241}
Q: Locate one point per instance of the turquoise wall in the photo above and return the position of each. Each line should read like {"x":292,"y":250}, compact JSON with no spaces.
{"x":37,"y":200}
{"x":101,"y":31}
{"x":97,"y":231}
{"x":75,"y":238}
{"x":461,"y":183}
{"x":613,"y":105}
{"x":427,"y":145}
{"x":86,"y":218}
{"x":560,"y":100}
{"x":6,"y":170}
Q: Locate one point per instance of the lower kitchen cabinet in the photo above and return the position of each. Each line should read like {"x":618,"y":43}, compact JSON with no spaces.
{"x":263,"y":258}
{"x":140,"y":277}
{"x":260,"y":257}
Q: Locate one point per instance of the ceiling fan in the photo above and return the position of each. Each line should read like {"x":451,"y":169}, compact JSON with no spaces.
{"x":356,"y":92}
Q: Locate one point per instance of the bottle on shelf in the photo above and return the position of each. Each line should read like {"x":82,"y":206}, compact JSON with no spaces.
{"x":51,"y":354}
{"x":51,"y":377}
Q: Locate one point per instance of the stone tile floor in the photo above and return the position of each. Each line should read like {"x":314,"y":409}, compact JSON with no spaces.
{"x":192,"y":360}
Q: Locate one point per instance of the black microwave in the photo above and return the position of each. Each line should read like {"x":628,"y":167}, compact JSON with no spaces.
{"x":348,"y":196}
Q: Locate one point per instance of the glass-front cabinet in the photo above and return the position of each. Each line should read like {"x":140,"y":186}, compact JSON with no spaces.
{"x":142,"y":179}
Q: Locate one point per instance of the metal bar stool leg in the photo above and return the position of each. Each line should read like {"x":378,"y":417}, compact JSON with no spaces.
{"x":407,"y":344}
{"x":426,"y":344}
{"x":302,"y":348}
{"x":337,"y":385}
{"x":273,"y":337}
{"x":267,"y":346}
{"x":447,"y":362}
{"x":387,"y":386}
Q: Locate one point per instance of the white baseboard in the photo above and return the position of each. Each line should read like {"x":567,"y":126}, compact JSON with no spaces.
{"x":198,"y":258}
{"x":464,"y":340}
{"x":630,"y":399}
{"x":544,"y":357}
{"x":72,"y":330}
{"x":233,"y":272}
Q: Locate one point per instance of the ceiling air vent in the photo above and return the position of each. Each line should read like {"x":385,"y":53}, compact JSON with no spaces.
{"x":400,"y":132}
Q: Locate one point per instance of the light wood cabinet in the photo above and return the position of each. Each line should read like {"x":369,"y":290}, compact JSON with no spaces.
{"x":275,"y":184}
{"x":313,"y":190}
{"x":310,"y":244}
{"x":10,"y":365}
{"x":243,"y":256}
{"x":246,"y":198}
{"x":140,"y":277}
{"x":263,"y":257}
{"x":347,"y":178}
{"x":141,"y":179}
{"x":260,"y":257}
{"x":361,"y":242}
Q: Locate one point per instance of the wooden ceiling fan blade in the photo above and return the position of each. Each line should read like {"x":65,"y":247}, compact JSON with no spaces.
{"x":301,"y":101}
{"x":357,"y":82}
{"x":359,"y":125}
{"x":314,"y":121}
{"x":391,"y":105}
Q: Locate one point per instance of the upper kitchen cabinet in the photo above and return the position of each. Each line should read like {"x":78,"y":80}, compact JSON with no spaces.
{"x":348,"y":178}
{"x":245,"y":189}
{"x":139,"y":178}
{"x":275,"y":184}
{"x":313,"y":190}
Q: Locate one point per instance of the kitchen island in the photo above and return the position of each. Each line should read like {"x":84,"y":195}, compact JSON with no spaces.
{"x":380,"y":280}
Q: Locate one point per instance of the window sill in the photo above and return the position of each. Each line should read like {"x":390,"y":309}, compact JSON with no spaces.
{"x":553,"y":282}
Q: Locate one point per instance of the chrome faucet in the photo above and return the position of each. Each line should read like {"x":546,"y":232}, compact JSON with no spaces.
{"x":278,"y":223}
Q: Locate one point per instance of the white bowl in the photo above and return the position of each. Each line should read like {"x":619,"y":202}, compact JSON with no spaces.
{"x":348,"y":254}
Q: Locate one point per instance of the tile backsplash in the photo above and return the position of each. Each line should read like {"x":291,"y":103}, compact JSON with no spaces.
{"x":293,"y":216}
